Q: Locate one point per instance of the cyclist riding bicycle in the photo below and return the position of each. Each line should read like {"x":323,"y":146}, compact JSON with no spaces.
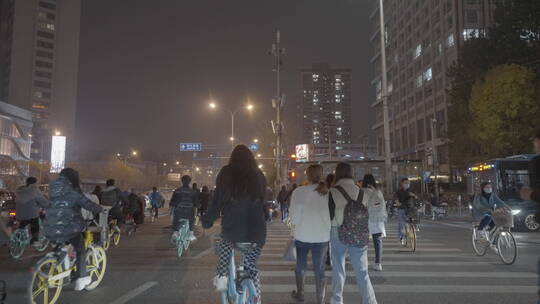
{"x":185,"y":201}
{"x":240,"y":199}
{"x":483,"y":205}
{"x":156,"y":201}
{"x":29,"y":202}
{"x":64,"y":221}
{"x":405,"y":204}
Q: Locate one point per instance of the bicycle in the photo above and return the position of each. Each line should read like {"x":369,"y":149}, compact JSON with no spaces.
{"x":240,"y":288}
{"x":130,"y":225}
{"x":20,"y":239}
{"x":113,"y":233}
{"x":180,"y":238}
{"x":501,"y":240}
{"x":53,"y":271}
{"x":409,"y":231}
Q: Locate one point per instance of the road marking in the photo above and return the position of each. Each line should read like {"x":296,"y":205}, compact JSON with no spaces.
{"x":394,"y":263}
{"x":385,"y":288}
{"x":392,"y":255}
{"x":386,"y":248}
{"x":134,"y":293}
{"x":420,"y":274}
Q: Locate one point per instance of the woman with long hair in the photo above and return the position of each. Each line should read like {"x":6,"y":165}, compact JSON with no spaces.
{"x":377,"y":216}
{"x":239,"y":197}
{"x":345,"y":190}
{"x":310,"y":218}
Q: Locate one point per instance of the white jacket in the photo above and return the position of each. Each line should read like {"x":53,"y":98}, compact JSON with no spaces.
{"x":310,"y":215}
{"x":377,"y":210}
{"x":352,"y":190}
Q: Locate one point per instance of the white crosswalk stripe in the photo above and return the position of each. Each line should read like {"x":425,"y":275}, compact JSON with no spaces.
{"x":429,"y":266}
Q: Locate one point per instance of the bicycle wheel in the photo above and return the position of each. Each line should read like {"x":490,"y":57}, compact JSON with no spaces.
{"x":96,"y":264}
{"x":44,"y":243}
{"x":506,"y":245}
{"x":42,"y":289}
{"x":179,"y":246}
{"x":480,"y":246}
{"x":411,"y":237}
{"x":116,"y":236}
{"x":107,"y":242}
{"x":17,"y":243}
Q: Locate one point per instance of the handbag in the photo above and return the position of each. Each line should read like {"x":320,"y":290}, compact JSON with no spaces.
{"x":290,"y":252}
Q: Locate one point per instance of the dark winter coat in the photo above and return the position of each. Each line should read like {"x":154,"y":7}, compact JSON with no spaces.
{"x":28,"y":202}
{"x":63,"y":219}
{"x":184,"y":201}
{"x":243,"y":219}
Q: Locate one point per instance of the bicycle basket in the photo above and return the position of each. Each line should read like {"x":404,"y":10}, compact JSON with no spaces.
{"x":503,"y":218}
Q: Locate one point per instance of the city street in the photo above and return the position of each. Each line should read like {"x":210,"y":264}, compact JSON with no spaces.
{"x":144,"y":269}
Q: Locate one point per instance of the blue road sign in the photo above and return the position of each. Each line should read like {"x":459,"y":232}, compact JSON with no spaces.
{"x":254,"y":147}
{"x":191,"y":147}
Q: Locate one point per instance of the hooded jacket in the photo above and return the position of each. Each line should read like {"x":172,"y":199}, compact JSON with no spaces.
{"x":482,"y":206}
{"x":28,"y":202}
{"x":63,"y":219}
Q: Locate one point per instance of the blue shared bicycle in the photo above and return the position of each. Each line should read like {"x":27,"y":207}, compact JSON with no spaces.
{"x":240,"y":288}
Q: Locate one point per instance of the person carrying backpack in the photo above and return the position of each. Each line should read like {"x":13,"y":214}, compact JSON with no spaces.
{"x":185,"y":201}
{"x":350,"y":233}
{"x":113,"y":197}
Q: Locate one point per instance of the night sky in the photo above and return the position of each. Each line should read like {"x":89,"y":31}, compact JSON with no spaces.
{"x":147,"y":68}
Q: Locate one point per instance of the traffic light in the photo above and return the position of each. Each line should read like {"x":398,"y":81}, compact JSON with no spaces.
{"x":292,"y":176}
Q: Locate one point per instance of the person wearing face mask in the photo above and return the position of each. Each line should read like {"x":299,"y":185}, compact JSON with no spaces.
{"x":403,"y":196}
{"x":483,"y":205}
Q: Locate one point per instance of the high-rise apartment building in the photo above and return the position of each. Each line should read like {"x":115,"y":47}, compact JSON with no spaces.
{"x":326,"y":106}
{"x":423,"y":39}
{"x":39,"y":60}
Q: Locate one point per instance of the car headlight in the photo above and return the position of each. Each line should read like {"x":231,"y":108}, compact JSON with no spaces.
{"x":516,"y":211}
{"x":470,"y":207}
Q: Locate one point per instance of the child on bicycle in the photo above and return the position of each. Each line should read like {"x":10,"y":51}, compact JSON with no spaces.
{"x":64,"y":221}
{"x":184,"y":202}
{"x":483,"y":205}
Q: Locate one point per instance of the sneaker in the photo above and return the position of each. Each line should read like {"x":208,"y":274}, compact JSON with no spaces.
{"x":377,"y":267}
{"x":402,"y":241}
{"x":494,"y":248}
{"x":81,"y":283}
{"x":220,"y":283}
{"x":36,"y":244}
{"x":192,"y":236}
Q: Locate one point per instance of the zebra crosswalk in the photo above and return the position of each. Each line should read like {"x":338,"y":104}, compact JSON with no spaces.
{"x":434,"y":269}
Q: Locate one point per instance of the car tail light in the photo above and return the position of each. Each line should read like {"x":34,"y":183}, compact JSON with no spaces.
{"x":12,"y":213}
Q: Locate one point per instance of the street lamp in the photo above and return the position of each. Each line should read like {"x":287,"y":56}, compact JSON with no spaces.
{"x":249,"y":107}
{"x":178,"y":163}
{"x":256,"y":140}
{"x":134,"y":153}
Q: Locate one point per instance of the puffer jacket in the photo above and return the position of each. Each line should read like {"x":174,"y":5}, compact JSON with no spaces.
{"x":28,"y":202}
{"x":63,"y":219}
{"x":243,"y":218}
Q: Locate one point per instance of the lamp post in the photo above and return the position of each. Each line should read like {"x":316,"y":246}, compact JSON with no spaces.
{"x":248,"y":107}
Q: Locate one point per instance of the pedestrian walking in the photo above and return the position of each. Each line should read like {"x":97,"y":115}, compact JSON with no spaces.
{"x":350,"y":233}
{"x":377,"y":216}
{"x":282,"y":201}
{"x":204,"y":200}
{"x":240,"y":197}
{"x":310,"y":218}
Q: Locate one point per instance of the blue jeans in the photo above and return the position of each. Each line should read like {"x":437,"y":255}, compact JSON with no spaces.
{"x":318,"y":254}
{"x":377,"y":244}
{"x":486,"y":221}
{"x":359,"y":260}
{"x":402,"y":215}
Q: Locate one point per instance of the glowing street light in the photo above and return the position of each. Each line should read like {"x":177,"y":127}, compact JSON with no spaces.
{"x":134,"y":153}
{"x":118,"y":154}
{"x":164,"y":164}
{"x":57,"y":133}
{"x":261,"y":166}
{"x":256,"y":140}
{"x":249,"y":107}
{"x":259,"y":155}
{"x":178,"y":163}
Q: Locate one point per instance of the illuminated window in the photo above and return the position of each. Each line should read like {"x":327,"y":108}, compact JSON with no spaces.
{"x":337,"y":115}
{"x":450,"y":41}
{"x":39,"y":106}
{"x":471,"y":33}
{"x":46,"y":26}
{"x":418,"y":81}
{"x":427,"y":75}
{"x":315,"y":77}
{"x":418,"y":51}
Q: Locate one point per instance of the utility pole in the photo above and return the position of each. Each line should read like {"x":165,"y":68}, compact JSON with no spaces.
{"x":386,"y":118}
{"x":277,"y":103}
{"x":434,"y":159}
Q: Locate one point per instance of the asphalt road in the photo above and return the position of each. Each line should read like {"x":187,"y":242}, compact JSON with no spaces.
{"x":144,"y":269}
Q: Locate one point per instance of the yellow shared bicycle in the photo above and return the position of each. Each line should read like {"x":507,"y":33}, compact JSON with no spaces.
{"x":52,"y":272}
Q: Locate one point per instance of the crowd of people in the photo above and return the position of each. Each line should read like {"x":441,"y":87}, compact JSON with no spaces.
{"x":332,"y":215}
